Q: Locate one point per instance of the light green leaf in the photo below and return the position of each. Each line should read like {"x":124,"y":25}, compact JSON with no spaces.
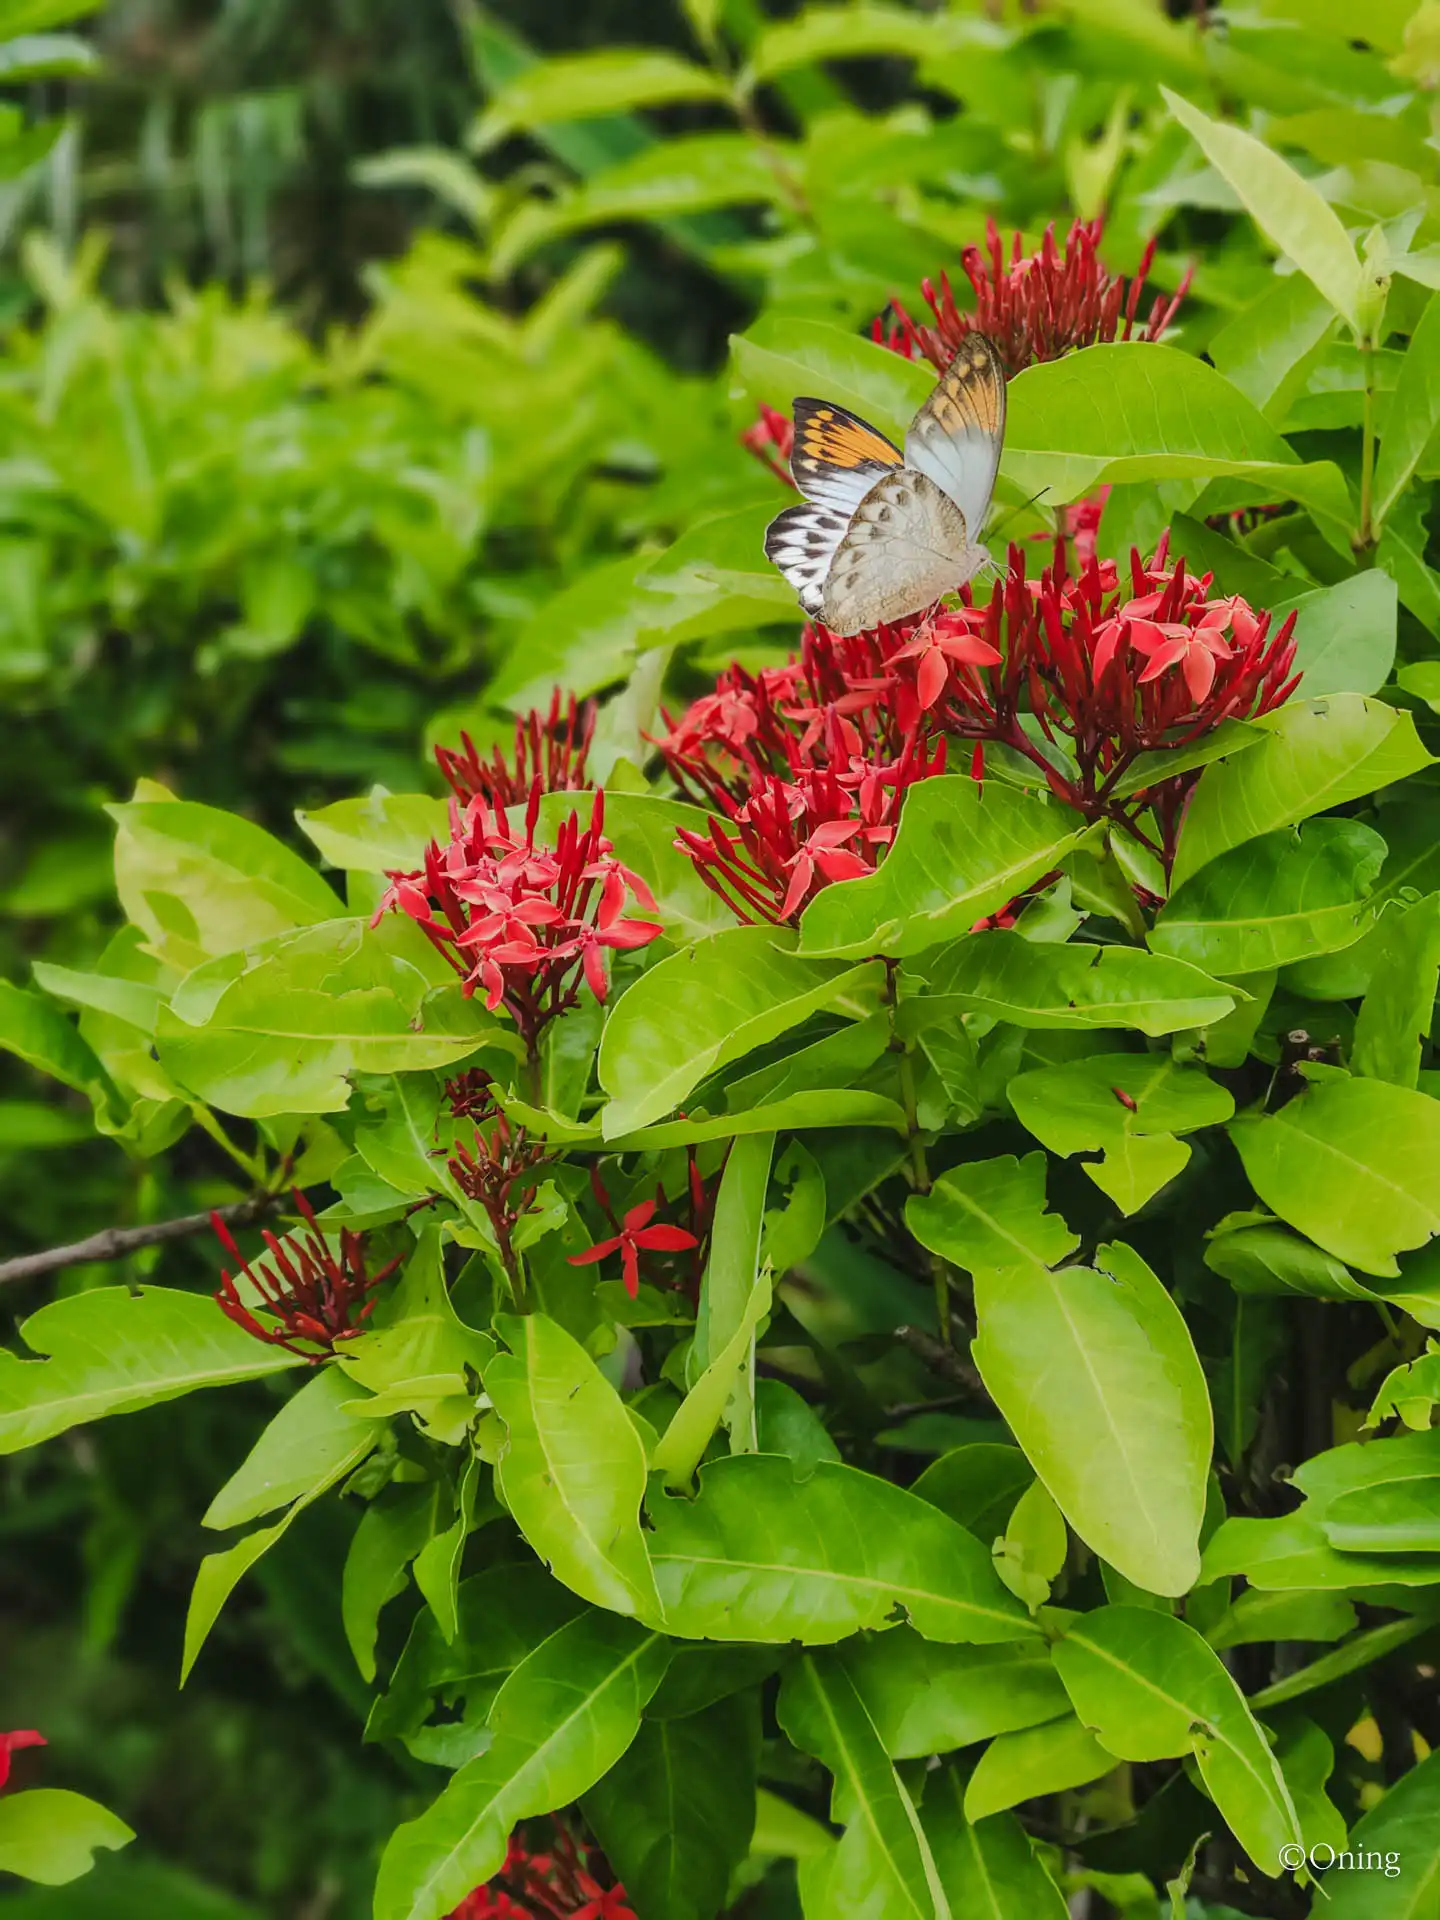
{"x":279,"y":1029}
{"x":1353,"y":1164}
{"x":437,"y":1564}
{"x":988,"y":1868}
{"x":109,"y":1350}
{"x":676,"y":1814}
{"x":1076,"y":1108}
{"x":1152,"y":1689}
{"x":1403,"y":1827}
{"x":573,"y":1469}
{"x":37,"y":1032}
{"x":963,"y":849}
{"x":1291,"y":212}
{"x":733,"y":1269}
{"x":766,"y":1554}
{"x":1044,"y":984}
{"x":728,"y":1379}
{"x":380,"y":833}
{"x":782,"y":357}
{"x":421,"y":1358}
{"x":1033,"y":1761}
{"x":1395,"y":1016}
{"x":700,"y":1009}
{"x":586,"y":86}
{"x":842,"y":33}
{"x":1285,"y":896}
{"x":925,"y":1697}
{"x":1094,"y":1370}
{"x":1253,"y":1618}
{"x":52,"y":1836}
{"x":200,"y":882}
{"x":1344,"y":635}
{"x":559,"y":1722}
{"x":1320,"y":754}
{"x":1268,"y":1259}
{"x":392,"y":1530}
{"x":1414,"y":412}
{"x":883,"y":1863}
{"x":314,"y":1433}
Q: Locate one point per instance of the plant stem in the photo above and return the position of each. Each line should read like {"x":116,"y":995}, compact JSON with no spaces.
{"x":1367,"y":447}
{"x":114,"y":1243}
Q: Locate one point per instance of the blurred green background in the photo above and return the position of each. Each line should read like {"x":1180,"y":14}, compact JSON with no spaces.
{"x":356,"y":358}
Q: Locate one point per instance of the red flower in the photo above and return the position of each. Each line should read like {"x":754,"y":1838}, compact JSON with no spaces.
{"x":12,"y":1743}
{"x":939,"y":644}
{"x":636,"y":1236}
{"x":553,"y":1886}
{"x":771,"y":439}
{"x":318,"y":1297}
{"x":1036,"y":307}
{"x":522,"y":921}
{"x":549,"y":747}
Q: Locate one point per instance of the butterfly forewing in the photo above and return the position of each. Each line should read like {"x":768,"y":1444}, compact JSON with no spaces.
{"x":837,"y":456}
{"x":802,"y":541}
{"x":905,"y":546}
{"x":955,"y":438}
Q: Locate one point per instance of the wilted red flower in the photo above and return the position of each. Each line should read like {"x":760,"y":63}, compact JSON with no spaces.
{"x":499,"y":1170}
{"x":523,"y":921}
{"x":634,"y":1235}
{"x":319,"y":1297}
{"x":550,"y":747}
{"x":558,"y":1885}
{"x":11,"y":1743}
{"x":1038,"y":305}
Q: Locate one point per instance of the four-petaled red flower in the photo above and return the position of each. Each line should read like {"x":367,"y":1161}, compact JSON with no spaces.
{"x":11,"y":1743}
{"x":636,"y":1236}
{"x":317,"y":1296}
{"x":521,"y":921}
{"x":940,"y":643}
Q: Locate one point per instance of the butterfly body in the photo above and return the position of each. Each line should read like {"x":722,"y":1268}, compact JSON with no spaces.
{"x":880,"y":534}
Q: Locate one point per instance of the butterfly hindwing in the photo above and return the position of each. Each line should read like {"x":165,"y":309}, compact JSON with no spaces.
{"x":904,"y":547}
{"x":802,"y":541}
{"x":956,"y":436}
{"x":837,"y":456}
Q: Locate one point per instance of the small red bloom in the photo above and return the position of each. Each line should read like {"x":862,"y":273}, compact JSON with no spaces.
{"x":636,"y":1236}
{"x":12,"y":1743}
{"x":319,"y":1297}
{"x":940,"y":643}
{"x":550,"y":747}
{"x":557,"y":1885}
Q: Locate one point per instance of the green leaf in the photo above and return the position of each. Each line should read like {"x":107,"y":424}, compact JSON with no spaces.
{"x":1094,"y":1370}
{"x":1353,"y":1164}
{"x":841,"y":33}
{"x":781,"y":357}
{"x":113,"y":1351}
{"x":314,"y":1433}
{"x":502,"y":1616}
{"x":977,"y":1484}
{"x":437,"y":1565}
{"x":52,"y":1836}
{"x":392,"y":1530}
{"x":573,"y":1469}
{"x":925,"y":1697}
{"x":1286,"y":207}
{"x":733,"y":1269}
{"x":1152,"y":1689}
{"x":1395,"y":1017}
{"x":1254,"y":1618}
{"x":766,"y":1554}
{"x":1044,"y":984}
{"x":559,"y":1722}
{"x":1163,"y":763}
{"x":278,"y":1030}
{"x":1414,"y":413}
{"x":1033,"y":1761}
{"x":421,"y":1358}
{"x":676,"y":1814}
{"x":1285,"y":896}
{"x":963,"y":849}
{"x":1344,"y":635}
{"x":883,"y":1863}
{"x":585,"y":86}
{"x":1398,"y":1516}
{"x":379,"y":833}
{"x":1409,"y":1390}
{"x":728,"y":1379}
{"x":1076,"y":1108}
{"x":1267,"y":1259}
{"x":1404,"y":1828}
{"x":200,"y":882}
{"x":1320,"y":753}
{"x":37,"y":1032}
{"x":700,"y":1009}
{"x":988,"y":1868}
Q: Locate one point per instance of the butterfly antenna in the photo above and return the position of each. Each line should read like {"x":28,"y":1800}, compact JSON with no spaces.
{"x":1015,"y":512}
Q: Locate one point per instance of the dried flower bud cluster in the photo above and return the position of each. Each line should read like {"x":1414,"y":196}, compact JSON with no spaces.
{"x":521,"y":921}
{"x":311,"y":1295}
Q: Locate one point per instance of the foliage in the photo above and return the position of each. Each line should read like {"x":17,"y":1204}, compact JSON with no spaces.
{"x":853,"y":1326}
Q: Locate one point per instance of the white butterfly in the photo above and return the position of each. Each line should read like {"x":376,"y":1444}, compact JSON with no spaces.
{"x":879,"y":534}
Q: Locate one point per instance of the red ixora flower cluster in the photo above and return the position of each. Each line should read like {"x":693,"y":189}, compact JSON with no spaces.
{"x":808,"y":765}
{"x":522,"y":921}
{"x":318,"y":1297}
{"x":559,"y":1884}
{"x":1035,"y":306}
{"x":501,"y":1166}
{"x":11,"y":1743}
{"x":639,"y":1232}
{"x":550,"y":747}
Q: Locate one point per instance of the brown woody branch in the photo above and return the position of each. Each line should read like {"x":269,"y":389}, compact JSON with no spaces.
{"x":113,"y":1243}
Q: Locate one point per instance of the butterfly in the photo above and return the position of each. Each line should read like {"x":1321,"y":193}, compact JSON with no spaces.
{"x":881,"y":534}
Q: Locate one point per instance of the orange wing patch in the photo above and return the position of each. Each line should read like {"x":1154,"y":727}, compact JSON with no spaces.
{"x":970,"y":395}
{"x":835,"y":438}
